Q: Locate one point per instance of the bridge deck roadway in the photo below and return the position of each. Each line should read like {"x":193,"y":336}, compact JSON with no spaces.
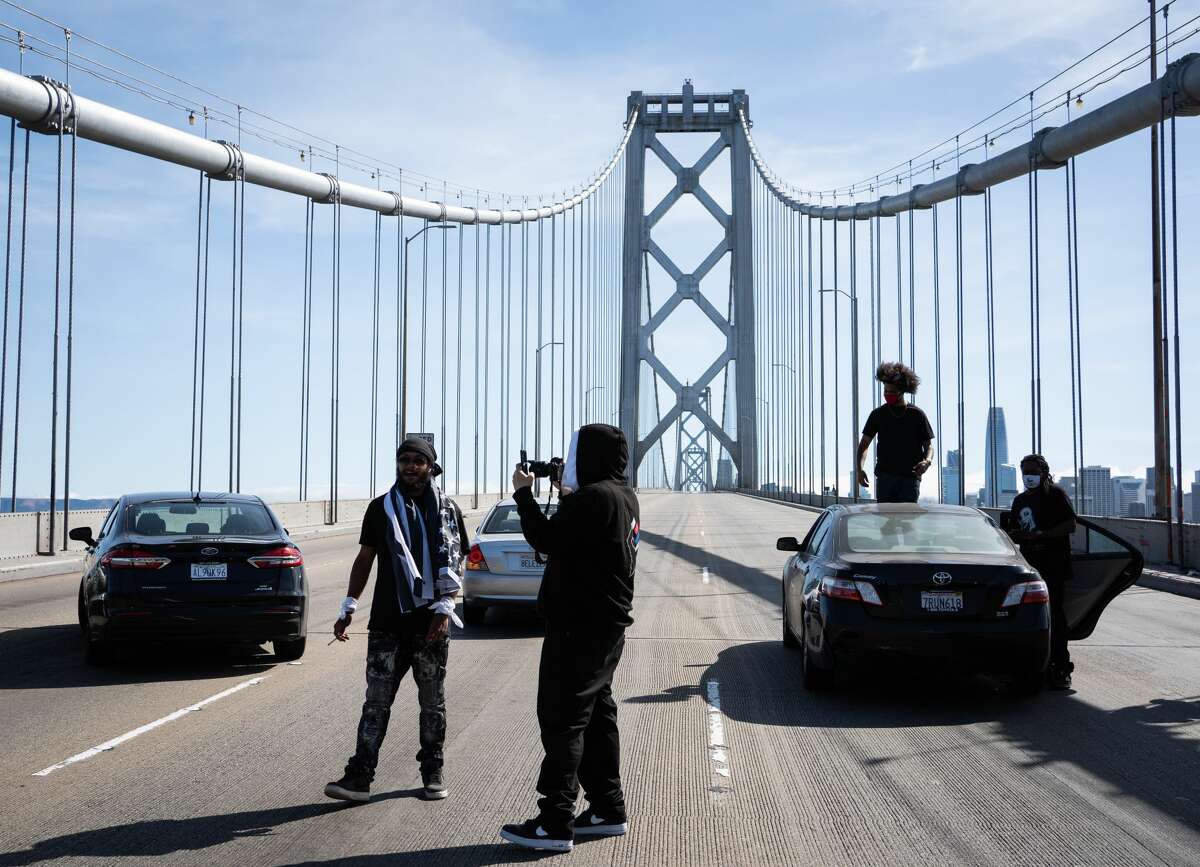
{"x":879,"y":773}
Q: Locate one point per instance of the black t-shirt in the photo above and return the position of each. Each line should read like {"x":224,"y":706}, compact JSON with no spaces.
{"x":1042,"y":510}
{"x":904,"y":435}
{"x":376,"y":527}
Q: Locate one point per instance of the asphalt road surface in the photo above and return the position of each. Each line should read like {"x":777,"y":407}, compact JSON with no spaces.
{"x":727,"y":761}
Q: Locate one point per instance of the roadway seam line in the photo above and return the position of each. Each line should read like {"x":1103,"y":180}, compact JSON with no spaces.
{"x":141,"y":730}
{"x":718,"y":750}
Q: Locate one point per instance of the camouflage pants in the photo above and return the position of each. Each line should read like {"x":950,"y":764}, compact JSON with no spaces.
{"x":389,"y":657}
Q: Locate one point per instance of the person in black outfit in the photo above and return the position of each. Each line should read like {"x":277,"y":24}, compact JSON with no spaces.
{"x":1041,"y":521}
{"x":905,"y":438}
{"x":419,"y":536}
{"x":586,"y":598}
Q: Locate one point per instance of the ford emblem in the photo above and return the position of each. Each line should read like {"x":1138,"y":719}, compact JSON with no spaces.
{"x":208,"y":552}
{"x":942,"y":578}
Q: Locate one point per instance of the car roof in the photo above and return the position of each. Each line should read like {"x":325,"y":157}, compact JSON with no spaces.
{"x":204,"y":496}
{"x":906,"y":508}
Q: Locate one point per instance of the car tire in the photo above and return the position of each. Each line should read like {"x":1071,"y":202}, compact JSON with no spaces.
{"x":789,"y":637}
{"x":473,"y":615}
{"x":289,"y":651}
{"x":1028,"y":683}
{"x":816,"y":679}
{"x":95,"y":651}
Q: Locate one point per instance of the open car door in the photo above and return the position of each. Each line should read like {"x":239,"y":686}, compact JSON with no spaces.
{"x":1104,"y":566}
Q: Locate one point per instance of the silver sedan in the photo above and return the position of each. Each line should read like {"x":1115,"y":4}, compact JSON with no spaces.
{"x":501,"y":567}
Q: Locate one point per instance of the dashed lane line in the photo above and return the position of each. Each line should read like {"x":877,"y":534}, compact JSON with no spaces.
{"x":718,"y":750}
{"x":141,"y":730}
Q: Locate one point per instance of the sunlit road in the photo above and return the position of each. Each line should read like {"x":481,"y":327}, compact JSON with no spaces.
{"x":727,"y":760}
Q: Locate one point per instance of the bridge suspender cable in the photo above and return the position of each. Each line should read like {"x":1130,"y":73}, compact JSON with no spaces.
{"x":12,"y":503}
{"x":990,"y":300}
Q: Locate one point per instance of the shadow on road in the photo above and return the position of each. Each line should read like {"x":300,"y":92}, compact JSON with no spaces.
{"x":50,"y":657}
{"x":504,"y":622}
{"x":161,"y":837}
{"x":1148,"y":751}
{"x":750,"y":579}
{"x":476,"y":855}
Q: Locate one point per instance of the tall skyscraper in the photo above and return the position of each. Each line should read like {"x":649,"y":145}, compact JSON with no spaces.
{"x":951,"y":473}
{"x":1097,"y":487}
{"x":1128,"y":492}
{"x":997,"y":471}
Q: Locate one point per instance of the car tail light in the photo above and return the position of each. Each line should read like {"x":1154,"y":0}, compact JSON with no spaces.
{"x":475,"y":559}
{"x":844,"y":588}
{"x":277,"y":558}
{"x":129,"y":557}
{"x":1026,"y":593}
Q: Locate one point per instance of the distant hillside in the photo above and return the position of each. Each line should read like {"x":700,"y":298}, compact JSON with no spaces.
{"x":42,"y":504}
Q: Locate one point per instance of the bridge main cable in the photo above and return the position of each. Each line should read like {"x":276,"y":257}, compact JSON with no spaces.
{"x":1175,"y":93}
{"x":34,"y":101}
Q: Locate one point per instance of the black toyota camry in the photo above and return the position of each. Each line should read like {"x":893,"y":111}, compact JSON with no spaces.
{"x":940,"y":584}
{"x":169,"y":567}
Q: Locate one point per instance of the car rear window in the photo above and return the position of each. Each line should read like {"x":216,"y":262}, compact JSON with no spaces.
{"x":924,"y":533}
{"x":504,"y":519}
{"x":209,"y":518}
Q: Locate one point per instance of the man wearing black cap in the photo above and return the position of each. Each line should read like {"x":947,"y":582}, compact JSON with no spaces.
{"x":586,"y":598}
{"x":419,"y":536}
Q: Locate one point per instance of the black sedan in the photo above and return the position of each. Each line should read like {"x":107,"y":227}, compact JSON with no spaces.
{"x":191,"y":567}
{"x":941,"y":584}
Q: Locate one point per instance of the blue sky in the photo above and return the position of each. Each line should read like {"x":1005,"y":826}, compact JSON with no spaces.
{"x":529,"y":97}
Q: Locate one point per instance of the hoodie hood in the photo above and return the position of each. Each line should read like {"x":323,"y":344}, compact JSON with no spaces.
{"x":598,"y":453}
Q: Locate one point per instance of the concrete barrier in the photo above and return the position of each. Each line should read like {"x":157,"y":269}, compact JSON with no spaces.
{"x":1148,"y":536}
{"x":25,"y":534}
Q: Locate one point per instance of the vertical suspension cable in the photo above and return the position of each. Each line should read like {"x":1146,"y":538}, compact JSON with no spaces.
{"x":70,"y":310}
{"x":821,"y":292}
{"x":192,"y":486}
{"x":233,"y":323}
{"x":12,"y":156}
{"x":993,"y":444}
{"x":445,"y":317}
{"x":305,"y":335}
{"x":12,"y":502}
{"x":1181,"y":551}
{"x":937,"y":350}
{"x":62,"y":121}
{"x":375,"y":298}
{"x":458,"y":364}
{"x":958,"y":315}
{"x":487,"y":347}
{"x":912,"y":290}
{"x":335,"y":340}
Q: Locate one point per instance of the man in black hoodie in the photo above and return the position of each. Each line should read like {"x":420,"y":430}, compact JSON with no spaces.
{"x":586,"y":598}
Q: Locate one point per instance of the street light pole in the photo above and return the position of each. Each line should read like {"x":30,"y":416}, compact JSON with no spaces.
{"x":585,"y":398}
{"x":853,"y":388}
{"x":767,"y":450}
{"x":402,"y":410}
{"x":537,"y":388}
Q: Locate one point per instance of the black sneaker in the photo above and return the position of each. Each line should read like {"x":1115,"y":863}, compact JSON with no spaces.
{"x":1058,"y":677}
{"x":591,"y":824}
{"x":349,"y":788}
{"x":533,"y":835}
{"x":435,"y":787}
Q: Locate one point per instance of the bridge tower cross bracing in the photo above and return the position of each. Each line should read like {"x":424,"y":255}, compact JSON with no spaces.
{"x":689,"y":112}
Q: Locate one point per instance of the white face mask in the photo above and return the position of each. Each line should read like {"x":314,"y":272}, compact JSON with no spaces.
{"x":570,"y":479}
{"x":1032,"y":481}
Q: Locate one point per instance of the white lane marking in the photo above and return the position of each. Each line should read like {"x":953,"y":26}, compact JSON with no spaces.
{"x":718,"y":750}
{"x":141,"y":730}
{"x":704,"y":574}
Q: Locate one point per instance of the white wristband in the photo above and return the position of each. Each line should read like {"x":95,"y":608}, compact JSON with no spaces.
{"x":349,"y":606}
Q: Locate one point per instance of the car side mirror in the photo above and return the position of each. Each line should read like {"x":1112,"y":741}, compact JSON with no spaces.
{"x":787,"y":543}
{"x":82,"y":534}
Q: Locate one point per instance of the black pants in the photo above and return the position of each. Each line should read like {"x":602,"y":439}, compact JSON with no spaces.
{"x":1059,"y":654}
{"x":896,"y":489}
{"x":578,"y":719}
{"x":389,"y":657}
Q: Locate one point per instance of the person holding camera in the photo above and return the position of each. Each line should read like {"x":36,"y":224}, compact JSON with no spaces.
{"x":905,"y":438}
{"x":420,"y":539}
{"x":586,"y":598}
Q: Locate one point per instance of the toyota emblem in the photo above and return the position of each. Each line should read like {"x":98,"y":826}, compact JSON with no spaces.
{"x":942,"y":578}
{"x":208,"y":552}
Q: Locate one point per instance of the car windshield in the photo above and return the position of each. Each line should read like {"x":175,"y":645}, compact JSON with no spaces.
{"x":188,"y":518}
{"x":924,"y":533}
{"x":504,"y":519}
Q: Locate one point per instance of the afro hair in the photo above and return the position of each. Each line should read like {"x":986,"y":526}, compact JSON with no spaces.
{"x":899,"y":375}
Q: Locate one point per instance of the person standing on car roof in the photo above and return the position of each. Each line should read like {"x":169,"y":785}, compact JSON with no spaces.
{"x":1041,"y":521}
{"x":586,"y":598}
{"x":905,"y":438}
{"x":419,"y":536}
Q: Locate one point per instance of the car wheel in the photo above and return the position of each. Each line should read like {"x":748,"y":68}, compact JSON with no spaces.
{"x":816,"y":679}
{"x":1028,"y":683}
{"x":287,"y":651}
{"x":95,"y":651}
{"x":789,"y":637}
{"x":473,"y":615}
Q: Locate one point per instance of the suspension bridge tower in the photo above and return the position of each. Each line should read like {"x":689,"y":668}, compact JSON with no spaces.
{"x":736,"y":430}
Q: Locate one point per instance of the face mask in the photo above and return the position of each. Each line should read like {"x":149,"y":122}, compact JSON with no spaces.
{"x":1032,"y":481}
{"x":891,"y":398}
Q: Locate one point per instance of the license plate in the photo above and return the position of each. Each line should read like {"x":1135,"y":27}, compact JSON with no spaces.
{"x":942,"y":602}
{"x":528,"y":562}
{"x":210,"y":571}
